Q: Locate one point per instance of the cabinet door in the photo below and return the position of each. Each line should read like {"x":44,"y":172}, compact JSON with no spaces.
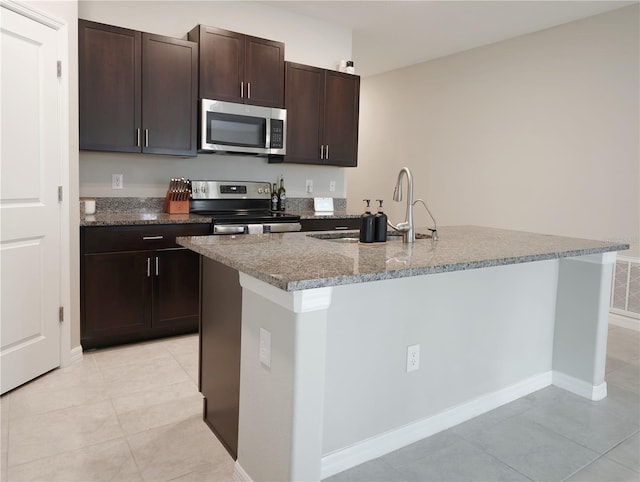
{"x":333,"y":224}
{"x":116,"y":294}
{"x":304,"y":99}
{"x":169,"y":95}
{"x":264,"y":72}
{"x":109,"y":87}
{"x":176,"y":287}
{"x":342,"y":100}
{"x":221,"y":64}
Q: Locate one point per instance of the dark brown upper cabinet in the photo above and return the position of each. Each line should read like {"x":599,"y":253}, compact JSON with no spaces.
{"x":322,"y":116}
{"x":239,"y":68}
{"x":138,"y":91}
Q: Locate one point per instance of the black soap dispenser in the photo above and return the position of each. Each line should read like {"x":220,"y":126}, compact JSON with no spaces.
{"x":380,"y":229}
{"x":367,"y":225}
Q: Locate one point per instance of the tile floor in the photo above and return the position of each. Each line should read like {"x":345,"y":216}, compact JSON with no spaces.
{"x":134,"y":413}
{"x":550,"y":435}
{"x":130,"y":413}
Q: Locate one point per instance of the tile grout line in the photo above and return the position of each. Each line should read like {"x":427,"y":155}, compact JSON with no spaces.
{"x":496,"y":457}
{"x":616,"y":446}
{"x":583,"y":467}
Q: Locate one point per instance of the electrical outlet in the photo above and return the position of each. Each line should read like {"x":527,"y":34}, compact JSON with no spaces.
{"x":413,"y":358}
{"x":265,"y":347}
{"x":332,"y":186}
{"x":309,"y":187}
{"x":117,"y":181}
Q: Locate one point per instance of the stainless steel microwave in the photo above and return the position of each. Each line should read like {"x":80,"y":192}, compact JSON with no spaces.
{"x":226,"y":127}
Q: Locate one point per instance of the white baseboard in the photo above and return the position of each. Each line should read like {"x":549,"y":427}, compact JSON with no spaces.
{"x":624,"y":321}
{"x":75,"y":354}
{"x":579,"y":387}
{"x":385,"y":443}
{"x":239,"y":475}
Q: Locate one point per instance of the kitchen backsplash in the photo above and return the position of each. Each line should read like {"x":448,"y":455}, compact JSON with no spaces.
{"x":148,"y":176}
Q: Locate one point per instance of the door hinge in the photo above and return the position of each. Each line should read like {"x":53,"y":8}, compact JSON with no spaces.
{"x":59,"y":194}
{"x":61,"y":314}
{"x":59,"y":68}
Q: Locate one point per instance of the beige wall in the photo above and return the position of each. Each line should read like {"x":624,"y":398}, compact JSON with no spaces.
{"x":537,"y":133}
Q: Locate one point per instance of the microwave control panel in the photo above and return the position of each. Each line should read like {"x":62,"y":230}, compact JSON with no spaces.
{"x":276,"y":134}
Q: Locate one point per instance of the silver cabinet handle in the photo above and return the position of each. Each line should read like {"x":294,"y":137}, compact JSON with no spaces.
{"x":146,"y":138}
{"x":138,"y":137}
{"x":326,"y":152}
{"x":341,"y":227}
{"x":242,"y":89}
{"x":248,"y":90}
{"x":148,"y":267}
{"x":322,"y":151}
{"x":157,"y":270}
{"x":149,"y":238}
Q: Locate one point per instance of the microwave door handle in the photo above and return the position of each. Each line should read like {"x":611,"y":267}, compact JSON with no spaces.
{"x":268,"y":133}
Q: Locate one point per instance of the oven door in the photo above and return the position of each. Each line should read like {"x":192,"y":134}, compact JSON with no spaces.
{"x":229,"y":127}
{"x":286,"y":227}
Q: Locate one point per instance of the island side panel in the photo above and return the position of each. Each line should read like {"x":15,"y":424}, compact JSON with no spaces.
{"x":281,"y":405}
{"x":220,"y":323}
{"x":482,"y":333}
{"x":582,"y":317}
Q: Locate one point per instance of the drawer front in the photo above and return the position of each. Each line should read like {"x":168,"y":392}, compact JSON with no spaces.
{"x":105,"y":239}
{"x":330,"y":224}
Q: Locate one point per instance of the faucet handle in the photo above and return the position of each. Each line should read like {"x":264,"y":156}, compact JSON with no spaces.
{"x":403,"y":227}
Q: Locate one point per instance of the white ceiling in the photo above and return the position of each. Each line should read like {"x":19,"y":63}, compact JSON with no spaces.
{"x":391,"y":34}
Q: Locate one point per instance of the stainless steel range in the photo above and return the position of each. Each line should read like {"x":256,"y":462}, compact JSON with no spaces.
{"x":240,"y":207}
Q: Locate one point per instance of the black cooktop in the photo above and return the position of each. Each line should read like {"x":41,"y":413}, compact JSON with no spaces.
{"x":249,"y":217}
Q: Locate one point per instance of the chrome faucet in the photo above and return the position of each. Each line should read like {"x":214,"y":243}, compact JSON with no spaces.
{"x":406,"y":227}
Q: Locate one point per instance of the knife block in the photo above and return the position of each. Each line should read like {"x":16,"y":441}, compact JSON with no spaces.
{"x":172,"y":206}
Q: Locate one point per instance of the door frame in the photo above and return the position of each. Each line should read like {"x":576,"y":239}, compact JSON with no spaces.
{"x":67,"y":354}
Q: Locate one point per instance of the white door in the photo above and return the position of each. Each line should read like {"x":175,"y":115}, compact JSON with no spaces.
{"x":30,"y":169}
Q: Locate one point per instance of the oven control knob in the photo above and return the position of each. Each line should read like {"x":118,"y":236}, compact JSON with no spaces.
{"x":259,"y":190}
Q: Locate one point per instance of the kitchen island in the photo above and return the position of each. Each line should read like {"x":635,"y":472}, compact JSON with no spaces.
{"x":326,"y":324}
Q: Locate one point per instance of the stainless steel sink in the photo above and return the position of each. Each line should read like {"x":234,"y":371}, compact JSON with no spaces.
{"x":353,"y":237}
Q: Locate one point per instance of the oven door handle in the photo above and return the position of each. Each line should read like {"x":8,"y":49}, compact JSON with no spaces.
{"x":283,"y":227}
{"x":228,"y":229}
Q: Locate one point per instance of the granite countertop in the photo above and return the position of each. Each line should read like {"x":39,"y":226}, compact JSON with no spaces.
{"x":129,"y":211}
{"x":125,"y":218}
{"x":135,"y":211}
{"x":304,"y":214}
{"x":138,"y":218}
{"x":298,"y":261}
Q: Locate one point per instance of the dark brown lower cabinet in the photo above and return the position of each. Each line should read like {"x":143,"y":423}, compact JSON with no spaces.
{"x":129,"y":293}
{"x":330,"y":224}
{"x":116,"y":296}
{"x":175,"y":288}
